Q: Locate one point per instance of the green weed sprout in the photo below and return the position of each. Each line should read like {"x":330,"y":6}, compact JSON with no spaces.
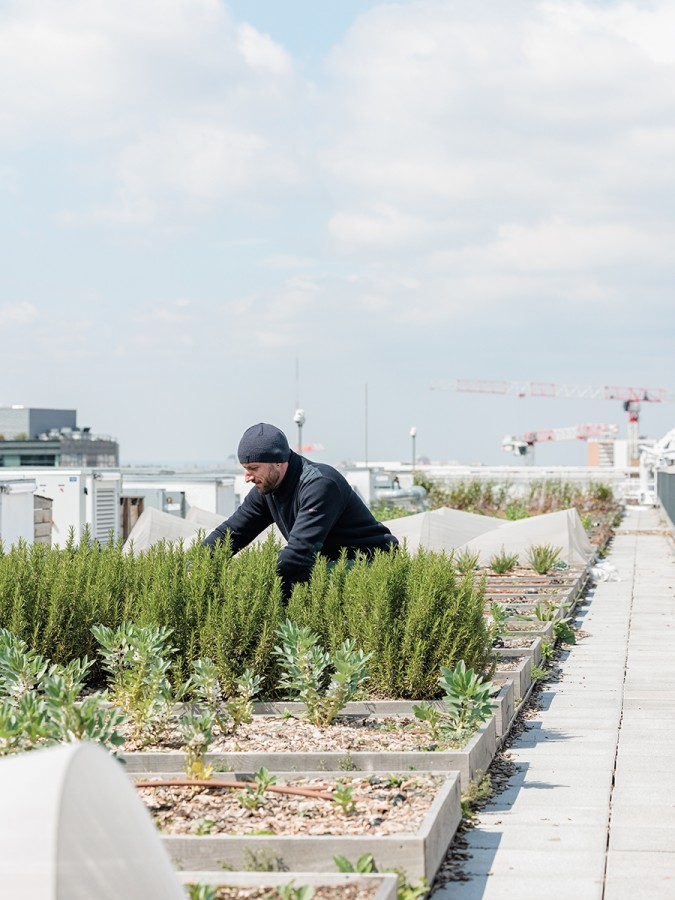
{"x":343,"y":796}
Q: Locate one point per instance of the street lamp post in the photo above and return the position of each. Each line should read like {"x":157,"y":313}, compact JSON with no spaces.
{"x":299,"y":419}
{"x":413,"y":435}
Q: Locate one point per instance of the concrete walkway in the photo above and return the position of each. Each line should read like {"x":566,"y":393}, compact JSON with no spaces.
{"x":590,"y":812}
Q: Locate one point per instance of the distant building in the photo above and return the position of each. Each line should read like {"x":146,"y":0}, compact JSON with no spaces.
{"x":51,"y":437}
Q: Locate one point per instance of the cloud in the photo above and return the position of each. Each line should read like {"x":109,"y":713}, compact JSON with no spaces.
{"x":261,"y":52}
{"x":17,"y":314}
{"x":384,"y":226}
{"x":163,"y":103}
{"x":284,"y":261}
{"x":560,"y":245}
{"x":200,"y":160}
{"x":165,"y":314}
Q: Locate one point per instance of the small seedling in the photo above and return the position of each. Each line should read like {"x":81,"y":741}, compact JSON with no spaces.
{"x":497,"y":618}
{"x":542,"y":557}
{"x":254,"y":796}
{"x":364,"y":865}
{"x":538,"y":673}
{"x":204,"y":825}
{"x":197,"y":732}
{"x":289,"y":892}
{"x":503,"y":562}
{"x":547,"y":651}
{"x":343,"y":796}
{"x":466,"y":561}
{"x":201,"y":892}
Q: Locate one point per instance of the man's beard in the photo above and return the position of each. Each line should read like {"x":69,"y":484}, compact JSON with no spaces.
{"x":270,"y":482}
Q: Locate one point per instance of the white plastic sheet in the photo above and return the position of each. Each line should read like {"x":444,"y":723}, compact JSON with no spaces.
{"x":73,"y":828}
{"x":449,"y":529}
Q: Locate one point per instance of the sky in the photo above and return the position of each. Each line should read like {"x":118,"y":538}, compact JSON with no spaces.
{"x":215,"y":212}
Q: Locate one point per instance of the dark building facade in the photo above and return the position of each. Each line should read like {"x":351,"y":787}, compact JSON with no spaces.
{"x":50,"y":437}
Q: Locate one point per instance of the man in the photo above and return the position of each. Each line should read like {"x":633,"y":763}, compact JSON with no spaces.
{"x":311,"y":503}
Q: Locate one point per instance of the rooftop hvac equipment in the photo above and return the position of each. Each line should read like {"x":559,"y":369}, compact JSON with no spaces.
{"x":17,"y":521}
{"x":81,"y":499}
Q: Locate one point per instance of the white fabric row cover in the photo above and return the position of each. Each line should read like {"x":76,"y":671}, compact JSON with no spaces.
{"x":439,"y":529}
{"x":453,"y":529}
{"x":154,"y":526}
{"x":73,"y":828}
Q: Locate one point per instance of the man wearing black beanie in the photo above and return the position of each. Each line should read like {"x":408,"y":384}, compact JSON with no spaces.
{"x":312,"y":504}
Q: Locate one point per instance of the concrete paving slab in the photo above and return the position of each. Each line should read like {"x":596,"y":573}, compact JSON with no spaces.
{"x":539,"y":794}
{"x":626,"y":809}
{"x":573,"y":815}
{"x":631,"y":758}
{"x":554,"y":837}
{"x":638,"y":874}
{"x":634,"y":737}
{"x":592,"y":756}
{"x":657,"y":837}
{"x":526,"y":862}
{"x":519,"y":888}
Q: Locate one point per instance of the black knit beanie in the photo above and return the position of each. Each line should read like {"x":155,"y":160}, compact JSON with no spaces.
{"x":263,"y":443}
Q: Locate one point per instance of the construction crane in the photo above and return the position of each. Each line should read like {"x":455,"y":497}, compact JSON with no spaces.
{"x":524,"y":446}
{"x":631,"y":397}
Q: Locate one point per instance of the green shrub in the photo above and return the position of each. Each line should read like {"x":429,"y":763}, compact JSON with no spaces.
{"x":411,"y":613}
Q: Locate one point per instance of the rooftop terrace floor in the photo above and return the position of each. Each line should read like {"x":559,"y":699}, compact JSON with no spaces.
{"x":590,"y":812}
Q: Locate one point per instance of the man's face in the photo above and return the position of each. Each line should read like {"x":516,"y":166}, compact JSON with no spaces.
{"x":265,"y":476}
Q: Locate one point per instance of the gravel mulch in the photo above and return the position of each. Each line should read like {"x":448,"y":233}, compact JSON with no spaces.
{"x":273,"y":733}
{"x":342,"y":892}
{"x":381,"y":805}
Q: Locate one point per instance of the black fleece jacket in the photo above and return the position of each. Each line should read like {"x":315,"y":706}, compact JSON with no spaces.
{"x":316,"y":510}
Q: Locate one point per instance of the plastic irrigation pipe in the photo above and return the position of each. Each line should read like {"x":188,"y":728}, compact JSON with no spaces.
{"x":212,"y":782}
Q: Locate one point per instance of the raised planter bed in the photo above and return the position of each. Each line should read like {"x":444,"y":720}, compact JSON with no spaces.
{"x":474,"y":758}
{"x":516,"y":628}
{"x":378,"y":886}
{"x":505,"y":708}
{"x":416,"y":849}
{"x":519,"y":669}
{"x":559,"y":589}
{"x":528,"y":646}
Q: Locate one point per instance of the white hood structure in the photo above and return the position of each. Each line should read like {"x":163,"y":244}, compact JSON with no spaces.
{"x":73,"y":828}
